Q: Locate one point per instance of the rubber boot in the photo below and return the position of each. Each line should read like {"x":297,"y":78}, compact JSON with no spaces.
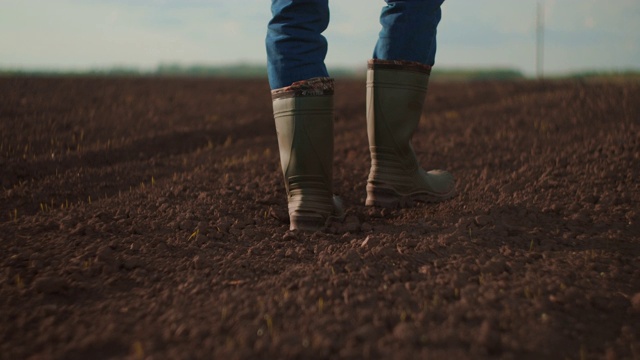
{"x":303,"y":115}
{"x":395,"y":96}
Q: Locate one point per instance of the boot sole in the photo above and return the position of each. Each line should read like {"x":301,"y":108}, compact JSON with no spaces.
{"x":314,"y":221}
{"x":311,"y":222}
{"x":307,"y":222}
{"x":387,"y":197}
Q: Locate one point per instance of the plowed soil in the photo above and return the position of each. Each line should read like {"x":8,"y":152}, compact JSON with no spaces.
{"x":146,"y":218}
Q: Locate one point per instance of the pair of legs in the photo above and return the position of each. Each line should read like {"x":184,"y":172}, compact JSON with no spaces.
{"x":296,"y":48}
{"x":302,"y":93}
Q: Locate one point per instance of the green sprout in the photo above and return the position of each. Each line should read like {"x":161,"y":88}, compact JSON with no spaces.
{"x":194,"y":234}
{"x":269,"y":321}
{"x":138,"y":350}
{"x":19,"y":282}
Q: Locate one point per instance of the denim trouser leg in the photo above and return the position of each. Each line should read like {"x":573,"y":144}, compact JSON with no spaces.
{"x":296,"y":48}
{"x":409,"y":31}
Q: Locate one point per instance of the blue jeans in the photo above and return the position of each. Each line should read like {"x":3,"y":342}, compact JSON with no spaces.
{"x":296,"y":48}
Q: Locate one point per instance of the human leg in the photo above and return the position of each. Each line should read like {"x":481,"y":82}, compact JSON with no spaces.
{"x":409,"y":31}
{"x":296,"y":48}
{"x":397,"y":80}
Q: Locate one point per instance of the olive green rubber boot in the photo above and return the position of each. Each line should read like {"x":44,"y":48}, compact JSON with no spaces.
{"x":303,"y":115}
{"x":395,"y":95}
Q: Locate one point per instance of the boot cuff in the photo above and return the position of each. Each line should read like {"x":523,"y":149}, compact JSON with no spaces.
{"x":375,"y":64}
{"x":312,"y":87}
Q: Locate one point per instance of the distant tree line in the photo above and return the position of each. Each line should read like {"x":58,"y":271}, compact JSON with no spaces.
{"x":260,"y":71}
{"x":462,"y":74}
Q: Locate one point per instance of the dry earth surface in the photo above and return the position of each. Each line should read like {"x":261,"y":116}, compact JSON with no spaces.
{"x":146,"y":218}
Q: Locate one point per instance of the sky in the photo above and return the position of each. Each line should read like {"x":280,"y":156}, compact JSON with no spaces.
{"x":87,"y":34}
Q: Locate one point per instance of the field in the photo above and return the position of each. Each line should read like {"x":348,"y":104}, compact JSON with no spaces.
{"x":146,"y":218}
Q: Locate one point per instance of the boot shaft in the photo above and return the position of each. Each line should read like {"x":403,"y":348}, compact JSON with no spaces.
{"x":305,"y":138}
{"x":396,"y":92}
{"x":303,"y":114}
{"x":395,"y":98}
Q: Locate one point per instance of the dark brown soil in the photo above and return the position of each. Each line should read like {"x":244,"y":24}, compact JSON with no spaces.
{"x":146,"y":218}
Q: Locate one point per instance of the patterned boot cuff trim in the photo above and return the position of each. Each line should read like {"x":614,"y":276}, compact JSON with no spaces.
{"x":312,"y":87}
{"x":374,"y":64}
